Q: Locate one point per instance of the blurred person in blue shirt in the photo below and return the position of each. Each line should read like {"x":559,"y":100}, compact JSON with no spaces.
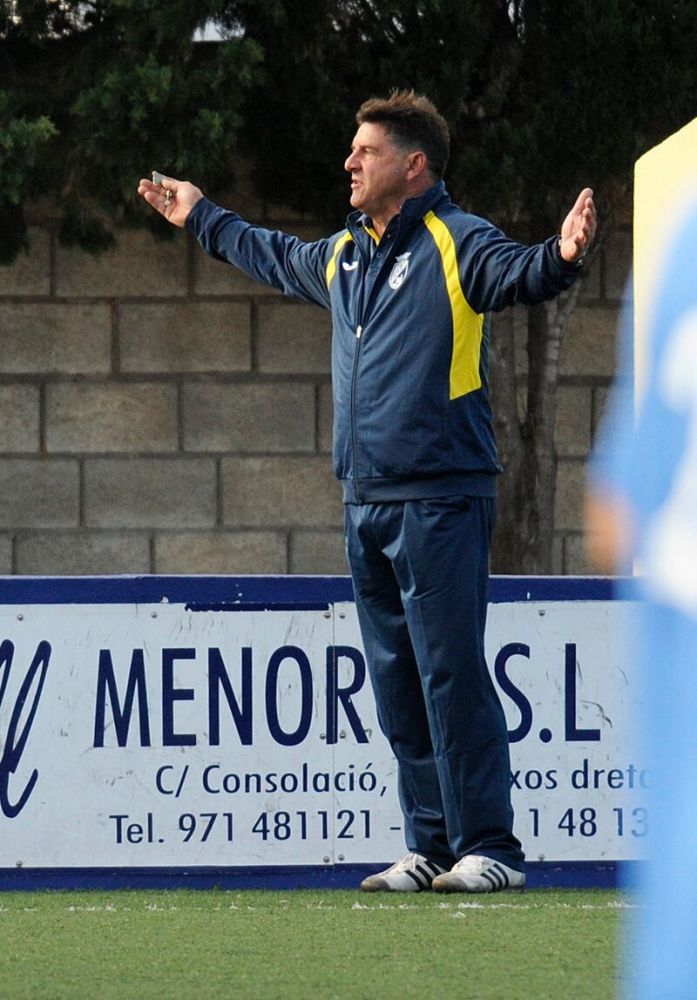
{"x":642,"y":506}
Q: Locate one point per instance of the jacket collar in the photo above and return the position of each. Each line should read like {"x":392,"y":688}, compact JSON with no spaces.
{"x":411,"y":211}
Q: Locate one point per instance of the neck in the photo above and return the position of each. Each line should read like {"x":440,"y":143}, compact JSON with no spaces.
{"x":380,"y":224}
{"x":382,"y":220}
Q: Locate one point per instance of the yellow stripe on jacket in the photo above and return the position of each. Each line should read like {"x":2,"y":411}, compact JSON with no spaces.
{"x":331,"y":266}
{"x":467,"y":324}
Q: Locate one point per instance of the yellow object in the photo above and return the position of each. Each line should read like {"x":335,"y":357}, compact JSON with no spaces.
{"x":467,"y":324}
{"x":665,"y":185}
{"x":331,"y":266}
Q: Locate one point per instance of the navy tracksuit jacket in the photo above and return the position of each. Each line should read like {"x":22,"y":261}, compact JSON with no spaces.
{"x":415,"y":453}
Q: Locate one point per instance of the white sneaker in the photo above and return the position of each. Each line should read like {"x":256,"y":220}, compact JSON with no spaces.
{"x":413,"y":873}
{"x":475,"y":873}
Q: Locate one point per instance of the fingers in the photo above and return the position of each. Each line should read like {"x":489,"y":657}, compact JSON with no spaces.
{"x":168,"y":183}
{"x":586,"y":219}
{"x":163,"y":187}
{"x":153,"y":193}
{"x":160,"y":194}
{"x":578,"y":228}
{"x":172,"y":198}
{"x":588,"y":204}
{"x":589,"y":224}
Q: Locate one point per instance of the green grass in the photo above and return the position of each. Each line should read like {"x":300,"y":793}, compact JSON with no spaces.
{"x":308,"y":944}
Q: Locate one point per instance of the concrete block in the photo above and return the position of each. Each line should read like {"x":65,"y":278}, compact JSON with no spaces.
{"x":575,"y":558}
{"x":39,"y":493}
{"x":83,"y":417}
{"x":294,"y":338}
{"x":280,"y":492}
{"x":320,"y":552}
{"x":221,"y":552}
{"x":31,"y":272}
{"x":150,"y":493}
{"x":571,"y":486}
{"x":6,"y":568}
{"x":589,"y":347}
{"x":273,"y":417}
{"x":601,"y":400}
{"x":325,"y":433}
{"x":572,"y":434}
{"x":138,"y":265}
{"x":590,"y":280}
{"x":48,"y":338}
{"x":185,"y":337}
{"x":80,"y":553}
{"x":558,"y":554}
{"x":19,"y":418}
{"x":216,"y":277}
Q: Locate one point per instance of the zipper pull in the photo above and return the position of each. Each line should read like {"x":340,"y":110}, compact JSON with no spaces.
{"x":359,"y":331}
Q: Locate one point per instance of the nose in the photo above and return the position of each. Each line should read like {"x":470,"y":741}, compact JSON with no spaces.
{"x":351,"y":162}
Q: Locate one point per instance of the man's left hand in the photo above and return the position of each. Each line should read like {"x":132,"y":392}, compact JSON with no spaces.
{"x":578,"y":230}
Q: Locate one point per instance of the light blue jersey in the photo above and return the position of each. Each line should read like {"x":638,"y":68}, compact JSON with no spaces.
{"x":651,"y":462}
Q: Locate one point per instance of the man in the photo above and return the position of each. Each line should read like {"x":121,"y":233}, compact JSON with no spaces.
{"x":643,"y":505}
{"x":408,"y":282}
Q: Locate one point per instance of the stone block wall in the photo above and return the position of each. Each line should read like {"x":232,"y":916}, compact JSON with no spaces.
{"x":588,"y":365}
{"x":161,"y":413}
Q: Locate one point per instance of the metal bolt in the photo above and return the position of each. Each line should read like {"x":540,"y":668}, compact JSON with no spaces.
{"x":326,"y":860}
{"x":20,"y":618}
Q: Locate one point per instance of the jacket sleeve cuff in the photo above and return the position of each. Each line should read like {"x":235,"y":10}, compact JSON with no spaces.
{"x":566,"y":265}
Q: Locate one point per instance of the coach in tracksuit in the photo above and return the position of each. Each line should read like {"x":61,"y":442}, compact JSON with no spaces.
{"x":409,"y":281}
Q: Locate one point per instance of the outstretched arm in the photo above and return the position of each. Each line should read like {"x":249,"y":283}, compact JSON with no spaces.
{"x":273,"y":258}
{"x":173,"y":199}
{"x":578,"y":229}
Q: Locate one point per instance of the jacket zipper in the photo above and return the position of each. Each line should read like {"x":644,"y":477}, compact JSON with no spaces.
{"x":354,"y":436}
{"x":359,"y":335}
{"x":354,"y":373}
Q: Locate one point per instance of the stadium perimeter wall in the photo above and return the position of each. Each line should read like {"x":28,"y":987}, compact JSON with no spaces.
{"x":198,"y":731}
{"x":161,"y":413}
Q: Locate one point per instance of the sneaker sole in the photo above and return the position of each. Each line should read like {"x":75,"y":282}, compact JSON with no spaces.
{"x":371,"y":885}
{"x":453,"y":886}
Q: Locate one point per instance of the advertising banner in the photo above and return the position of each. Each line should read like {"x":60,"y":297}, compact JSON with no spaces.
{"x":172,"y":734}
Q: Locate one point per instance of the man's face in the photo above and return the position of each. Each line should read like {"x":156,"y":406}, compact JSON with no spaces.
{"x":378,"y":171}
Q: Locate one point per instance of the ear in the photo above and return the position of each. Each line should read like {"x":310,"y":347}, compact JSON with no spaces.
{"x":417,"y":164}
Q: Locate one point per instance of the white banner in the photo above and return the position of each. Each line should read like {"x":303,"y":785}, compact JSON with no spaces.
{"x":139,"y":735}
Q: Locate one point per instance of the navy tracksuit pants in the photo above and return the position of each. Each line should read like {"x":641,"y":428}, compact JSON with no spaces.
{"x":420,"y":574}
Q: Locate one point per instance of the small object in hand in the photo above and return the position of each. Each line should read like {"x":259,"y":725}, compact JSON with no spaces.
{"x":157,"y":178}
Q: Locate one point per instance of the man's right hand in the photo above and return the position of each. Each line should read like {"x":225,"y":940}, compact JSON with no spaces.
{"x":175,"y":207}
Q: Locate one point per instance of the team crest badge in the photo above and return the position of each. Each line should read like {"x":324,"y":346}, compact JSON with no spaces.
{"x":399,"y":271}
